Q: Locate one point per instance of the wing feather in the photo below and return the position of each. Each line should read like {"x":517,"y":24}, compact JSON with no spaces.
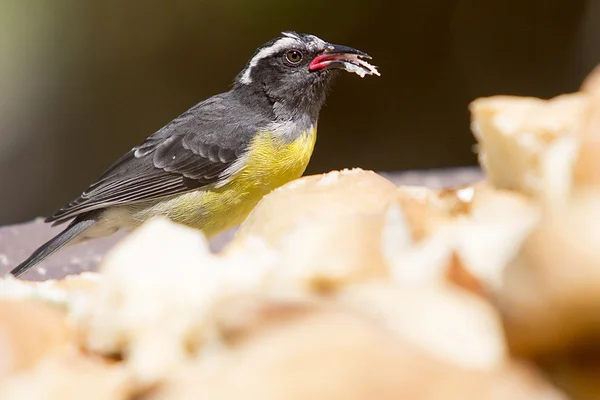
{"x":197,"y":149}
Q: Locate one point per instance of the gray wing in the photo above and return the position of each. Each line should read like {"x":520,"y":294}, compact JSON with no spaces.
{"x":197,"y":149}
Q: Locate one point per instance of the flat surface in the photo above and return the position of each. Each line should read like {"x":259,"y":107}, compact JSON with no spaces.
{"x":19,"y":241}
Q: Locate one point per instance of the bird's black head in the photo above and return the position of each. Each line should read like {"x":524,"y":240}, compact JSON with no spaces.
{"x":294,"y":71}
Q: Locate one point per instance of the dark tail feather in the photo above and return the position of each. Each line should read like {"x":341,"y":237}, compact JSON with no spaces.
{"x":74,"y":229}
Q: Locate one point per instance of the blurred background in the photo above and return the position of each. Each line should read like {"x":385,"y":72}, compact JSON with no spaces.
{"x":83,"y":81}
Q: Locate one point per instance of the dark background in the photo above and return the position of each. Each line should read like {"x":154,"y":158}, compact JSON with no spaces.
{"x":82,"y":81}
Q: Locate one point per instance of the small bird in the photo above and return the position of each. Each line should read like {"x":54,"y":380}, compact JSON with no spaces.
{"x":211,"y":165}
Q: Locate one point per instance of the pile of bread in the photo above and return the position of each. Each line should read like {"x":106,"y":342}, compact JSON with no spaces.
{"x":345,"y":286}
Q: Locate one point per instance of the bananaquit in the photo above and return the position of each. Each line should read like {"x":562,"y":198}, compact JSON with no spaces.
{"x":209,"y":167}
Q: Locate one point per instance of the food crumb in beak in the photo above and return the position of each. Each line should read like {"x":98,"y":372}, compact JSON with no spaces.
{"x":360,"y":67}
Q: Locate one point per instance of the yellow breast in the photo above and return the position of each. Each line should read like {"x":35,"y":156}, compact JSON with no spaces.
{"x":270,"y":163}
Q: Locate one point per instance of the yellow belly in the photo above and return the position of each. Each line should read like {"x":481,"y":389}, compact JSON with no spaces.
{"x":270,"y":164}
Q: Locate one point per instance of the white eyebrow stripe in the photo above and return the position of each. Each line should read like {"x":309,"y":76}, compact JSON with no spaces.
{"x":276,"y":47}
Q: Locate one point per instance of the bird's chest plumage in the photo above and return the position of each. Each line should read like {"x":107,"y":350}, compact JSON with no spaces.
{"x":269,"y":163}
{"x":272,"y":162}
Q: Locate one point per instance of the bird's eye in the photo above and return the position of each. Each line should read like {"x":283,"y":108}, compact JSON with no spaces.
{"x":293,"y":56}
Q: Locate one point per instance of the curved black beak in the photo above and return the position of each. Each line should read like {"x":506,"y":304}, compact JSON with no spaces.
{"x":350,"y":59}
{"x":339,"y":49}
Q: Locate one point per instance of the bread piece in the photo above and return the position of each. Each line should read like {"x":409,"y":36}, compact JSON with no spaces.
{"x":159,"y":284}
{"x":413,"y":262}
{"x":155,"y":281}
{"x":469,"y":247}
{"x":555,"y":280}
{"x":70,"y":375}
{"x":64,"y":292}
{"x":324,"y":230}
{"x":587,"y":167}
{"x":550,"y":299}
{"x":331,"y":354}
{"x":29,"y":331}
{"x":489,"y":237}
{"x":239,"y":318}
{"x":324,"y":198}
{"x":325,"y":255}
{"x":515,"y":134}
{"x":427,"y":209}
{"x":448,"y":322}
